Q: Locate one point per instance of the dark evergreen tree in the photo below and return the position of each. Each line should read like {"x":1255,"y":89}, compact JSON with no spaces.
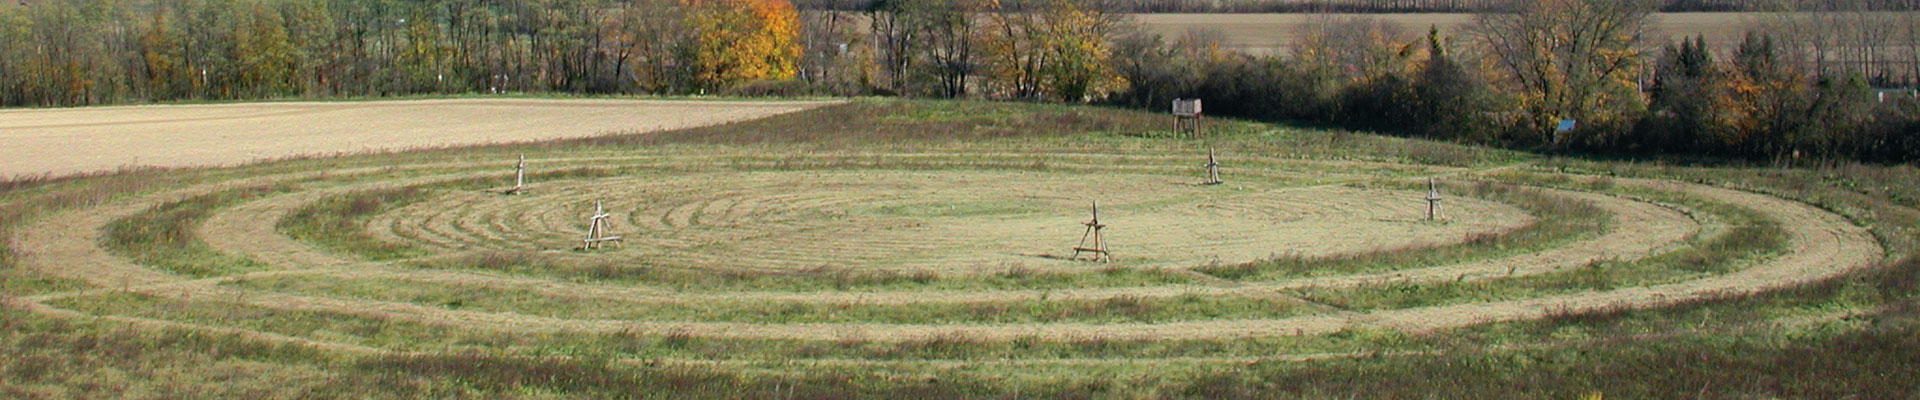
{"x":1450,"y":101}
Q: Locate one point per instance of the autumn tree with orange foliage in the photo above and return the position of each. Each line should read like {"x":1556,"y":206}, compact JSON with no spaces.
{"x":738,"y":41}
{"x":1768,"y":92}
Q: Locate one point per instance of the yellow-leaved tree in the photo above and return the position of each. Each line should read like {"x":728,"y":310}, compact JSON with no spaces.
{"x":265,"y":57}
{"x":738,"y":41}
{"x":1052,"y":48}
{"x":1081,"y":70}
{"x":1568,"y":60}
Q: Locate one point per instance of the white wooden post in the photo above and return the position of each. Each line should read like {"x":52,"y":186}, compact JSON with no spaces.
{"x":520,"y":174}
{"x":593,"y":226}
{"x":599,"y":213}
{"x":1433,"y":200}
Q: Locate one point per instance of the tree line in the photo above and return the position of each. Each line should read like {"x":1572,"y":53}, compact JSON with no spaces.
{"x":1521,"y":71}
{"x":1798,"y":90}
{"x":77,"y":52}
{"x":1043,"y":50}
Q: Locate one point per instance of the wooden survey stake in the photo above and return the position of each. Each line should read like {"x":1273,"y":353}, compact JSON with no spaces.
{"x":1099,"y":248}
{"x":519,"y":175}
{"x":597,"y":228}
{"x":1433,"y":200}
{"x":1213,"y":168}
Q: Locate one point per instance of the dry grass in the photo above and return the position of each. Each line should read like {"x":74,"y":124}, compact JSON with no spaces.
{"x":66,"y":141}
{"x":1559,"y":221}
{"x":948,"y":222}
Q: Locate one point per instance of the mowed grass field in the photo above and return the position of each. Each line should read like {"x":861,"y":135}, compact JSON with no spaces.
{"x":896,"y":248}
{"x":1274,"y":33}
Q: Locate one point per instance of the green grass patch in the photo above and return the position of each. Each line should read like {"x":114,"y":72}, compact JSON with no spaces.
{"x":529,"y":263}
{"x":165,"y":237}
{"x":901,"y":124}
{"x":1829,"y":339}
{"x":1120,"y":309}
{"x":338,"y":223}
{"x":405,"y":334}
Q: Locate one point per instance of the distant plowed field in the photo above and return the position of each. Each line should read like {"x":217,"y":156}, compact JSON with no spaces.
{"x":63,"y":141}
{"x":1272,"y":33}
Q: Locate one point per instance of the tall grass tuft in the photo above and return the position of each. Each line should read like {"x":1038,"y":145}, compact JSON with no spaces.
{"x":338,"y":222}
{"x":166,"y":236}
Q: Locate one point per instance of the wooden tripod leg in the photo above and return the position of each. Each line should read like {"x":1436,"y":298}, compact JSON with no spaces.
{"x":1083,"y":242}
{"x":1100,"y":242}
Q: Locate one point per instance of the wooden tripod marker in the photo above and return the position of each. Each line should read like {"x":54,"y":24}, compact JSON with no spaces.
{"x":519,"y":175}
{"x":1099,"y":248}
{"x":597,"y":228}
{"x":1213,"y":168}
{"x":1433,"y":200}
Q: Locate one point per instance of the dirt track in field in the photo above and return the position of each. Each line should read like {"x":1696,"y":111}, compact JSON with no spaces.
{"x":77,"y":140}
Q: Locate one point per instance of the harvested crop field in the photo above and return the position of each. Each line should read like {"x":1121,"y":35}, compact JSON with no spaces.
{"x":65,"y":141}
{"x":915,"y":240}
